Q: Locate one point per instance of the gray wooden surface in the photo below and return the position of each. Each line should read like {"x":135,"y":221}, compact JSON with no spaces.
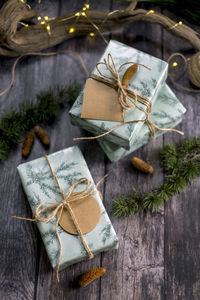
{"x":158,"y":256}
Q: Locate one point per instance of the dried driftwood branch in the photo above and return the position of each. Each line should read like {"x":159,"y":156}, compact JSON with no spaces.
{"x":15,"y":41}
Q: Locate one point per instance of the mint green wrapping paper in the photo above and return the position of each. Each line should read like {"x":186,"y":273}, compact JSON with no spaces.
{"x":144,"y":82}
{"x":166,"y":113}
{"x":39,"y":186}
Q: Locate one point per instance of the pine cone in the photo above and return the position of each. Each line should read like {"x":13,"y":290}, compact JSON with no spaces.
{"x":42,"y":135}
{"x":28,"y":144}
{"x":91,"y":275}
{"x":142,"y":165}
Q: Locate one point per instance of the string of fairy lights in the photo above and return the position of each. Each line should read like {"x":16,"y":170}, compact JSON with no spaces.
{"x":82,"y":13}
{"x":175,"y":63}
{"x":44,"y":20}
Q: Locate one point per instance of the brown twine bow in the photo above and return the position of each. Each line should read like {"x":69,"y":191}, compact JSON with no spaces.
{"x":123,"y":97}
{"x":127,"y":98}
{"x":57,"y":208}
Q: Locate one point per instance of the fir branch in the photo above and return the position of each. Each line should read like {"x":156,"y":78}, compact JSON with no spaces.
{"x":125,"y":206}
{"x":180,"y":164}
{"x":14,"y":124}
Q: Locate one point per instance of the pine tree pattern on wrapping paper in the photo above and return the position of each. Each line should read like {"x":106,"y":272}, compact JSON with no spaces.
{"x":106,"y":233}
{"x":160,"y":66}
{"x":167,"y":99}
{"x":166,"y":124}
{"x":144,"y":88}
{"x":140,"y":140}
{"x":153,"y":82}
{"x":78,"y":103}
{"x":34,"y":201}
{"x":130,"y":128}
{"x":46,"y":181}
{"x":50,"y":236}
{"x":83,"y":251}
{"x":163,"y":115}
{"x":54,"y":254}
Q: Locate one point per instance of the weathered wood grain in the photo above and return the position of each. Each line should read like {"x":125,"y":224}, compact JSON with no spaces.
{"x":182,"y":214}
{"x":18,"y":255}
{"x":136,"y":269}
{"x":158,"y":256}
{"x":20,"y":245}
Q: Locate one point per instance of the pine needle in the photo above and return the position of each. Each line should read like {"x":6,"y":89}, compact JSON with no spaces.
{"x":125,"y":206}
{"x":14,"y":124}
{"x":180,"y":164}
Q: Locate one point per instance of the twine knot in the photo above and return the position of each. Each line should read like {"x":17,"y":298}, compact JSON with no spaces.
{"x":125,"y":100}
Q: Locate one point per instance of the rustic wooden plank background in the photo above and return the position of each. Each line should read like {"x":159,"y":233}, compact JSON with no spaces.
{"x":158,"y":256}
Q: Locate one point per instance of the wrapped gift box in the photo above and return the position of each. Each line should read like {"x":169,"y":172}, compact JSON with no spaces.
{"x":39,"y":185}
{"x":167,"y":113}
{"x":144,"y":82}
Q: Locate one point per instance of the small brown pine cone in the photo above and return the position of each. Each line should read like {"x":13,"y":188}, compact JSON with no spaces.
{"x":128,"y":75}
{"x":28,"y":144}
{"x":142,"y":165}
{"x":42,"y":135}
{"x":91,"y":275}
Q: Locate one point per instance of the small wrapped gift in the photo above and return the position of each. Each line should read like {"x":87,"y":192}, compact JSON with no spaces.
{"x":167,"y":112}
{"x":98,"y":103}
{"x":60,"y":189}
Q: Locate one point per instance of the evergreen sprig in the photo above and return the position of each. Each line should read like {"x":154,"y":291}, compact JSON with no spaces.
{"x":15,"y":123}
{"x":180,"y":164}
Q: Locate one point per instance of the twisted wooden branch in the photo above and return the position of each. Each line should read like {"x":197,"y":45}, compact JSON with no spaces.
{"x":15,"y":41}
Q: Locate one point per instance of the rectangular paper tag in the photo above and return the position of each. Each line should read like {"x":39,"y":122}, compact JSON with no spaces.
{"x":100,"y":102}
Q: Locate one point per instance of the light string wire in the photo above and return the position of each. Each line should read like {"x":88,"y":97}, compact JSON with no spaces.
{"x":181,"y":73}
{"x":82,"y":13}
{"x":175,"y":64}
{"x":72,"y":29}
{"x":45,"y":20}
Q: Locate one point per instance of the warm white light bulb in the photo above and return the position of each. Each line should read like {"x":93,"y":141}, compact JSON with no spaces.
{"x":71,"y":30}
{"x":175,"y":64}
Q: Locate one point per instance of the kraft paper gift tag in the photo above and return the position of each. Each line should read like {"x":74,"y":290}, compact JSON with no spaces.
{"x":100,"y":102}
{"x":87,"y":213}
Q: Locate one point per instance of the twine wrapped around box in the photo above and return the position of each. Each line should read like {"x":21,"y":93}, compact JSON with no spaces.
{"x":56,"y":209}
{"x":125,"y":97}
